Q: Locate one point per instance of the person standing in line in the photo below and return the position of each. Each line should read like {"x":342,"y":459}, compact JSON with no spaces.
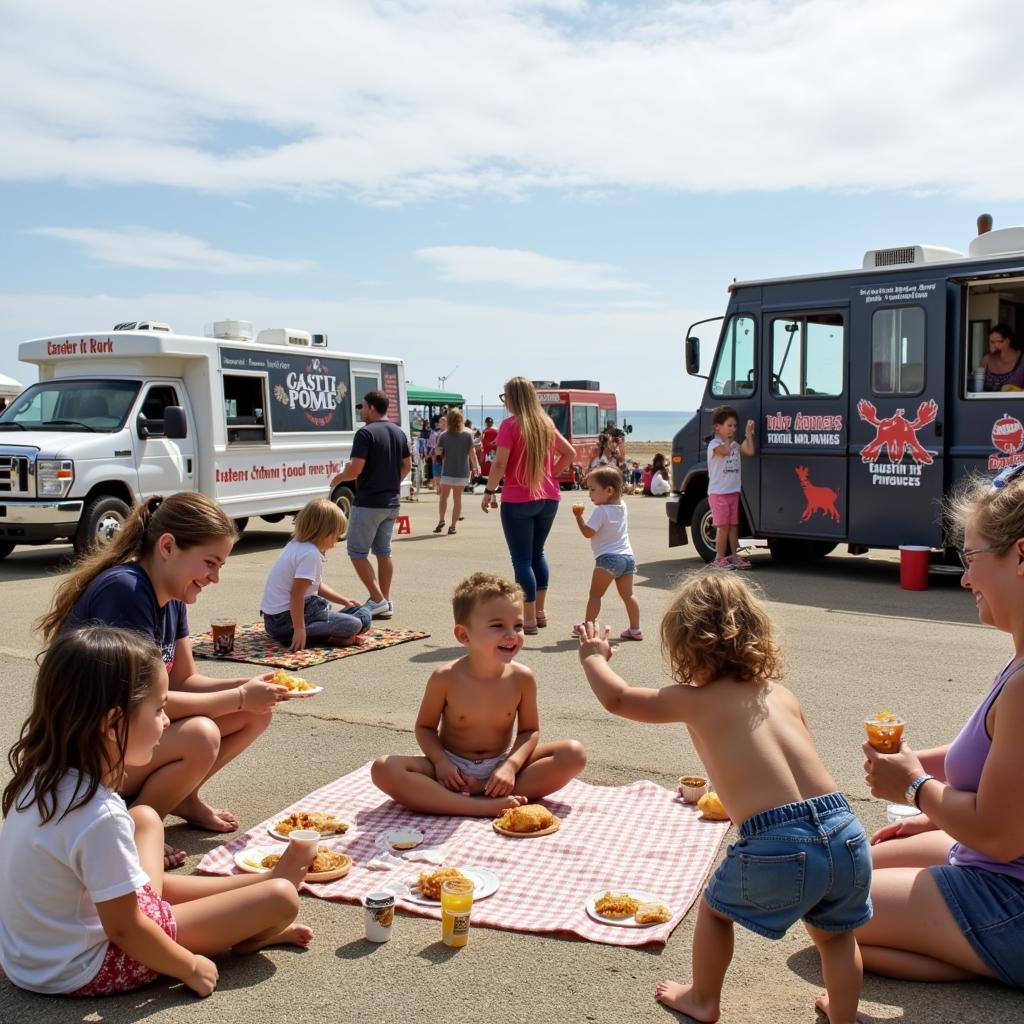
{"x":488,"y":444}
{"x":380,"y":461}
{"x":531,"y":455}
{"x":458,"y":461}
{"x":724,"y":485}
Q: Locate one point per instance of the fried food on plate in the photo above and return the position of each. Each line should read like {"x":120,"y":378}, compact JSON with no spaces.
{"x":430,"y":882}
{"x":293,"y":683}
{"x":616,"y":904}
{"x":652,"y":913}
{"x":319,"y":821}
{"x":325,"y":860}
{"x":528,"y":818}
{"x":711,"y":807}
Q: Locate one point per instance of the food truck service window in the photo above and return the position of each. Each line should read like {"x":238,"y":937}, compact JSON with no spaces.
{"x":807,"y":355}
{"x":897,"y":351}
{"x":734,"y":374}
{"x":244,"y":408}
{"x":584,"y":420}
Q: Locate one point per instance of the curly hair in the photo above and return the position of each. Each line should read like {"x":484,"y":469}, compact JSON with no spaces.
{"x":481,"y":586}
{"x":717,"y":627}
{"x":997,"y":513}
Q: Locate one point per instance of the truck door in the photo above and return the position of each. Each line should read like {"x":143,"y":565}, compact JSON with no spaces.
{"x":897,"y":398}
{"x":803,"y":440}
{"x":165,"y":465}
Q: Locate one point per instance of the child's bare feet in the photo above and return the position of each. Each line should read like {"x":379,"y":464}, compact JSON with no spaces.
{"x":821,"y":1003}
{"x":200,"y":814}
{"x":173,"y":858}
{"x":680,"y":997}
{"x":294,"y":863}
{"x":294,"y":935}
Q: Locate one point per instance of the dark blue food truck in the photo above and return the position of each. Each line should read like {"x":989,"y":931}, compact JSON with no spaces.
{"x":866,"y":389}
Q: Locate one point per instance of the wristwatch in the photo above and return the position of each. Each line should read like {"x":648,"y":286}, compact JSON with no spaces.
{"x":914,"y":788}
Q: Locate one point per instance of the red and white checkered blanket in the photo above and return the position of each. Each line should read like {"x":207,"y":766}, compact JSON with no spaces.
{"x":640,"y":836}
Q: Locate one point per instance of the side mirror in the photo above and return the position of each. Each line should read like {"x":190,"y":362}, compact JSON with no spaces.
{"x":628,"y":428}
{"x":693,"y":356}
{"x":175,"y":424}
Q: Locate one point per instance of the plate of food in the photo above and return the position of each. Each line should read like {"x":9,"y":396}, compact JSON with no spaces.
{"x":400,"y":839}
{"x":427,"y":889}
{"x":628,"y":908}
{"x":530,"y":820}
{"x":296,"y":686}
{"x":328,"y":865}
{"x":319,"y":821}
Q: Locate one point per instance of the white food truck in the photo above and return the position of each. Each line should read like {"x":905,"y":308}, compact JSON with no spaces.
{"x":259,"y":425}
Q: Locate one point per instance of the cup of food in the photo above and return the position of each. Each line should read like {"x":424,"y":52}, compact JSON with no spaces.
{"x":885,"y":730}
{"x":900,"y":812}
{"x":379,"y":914}
{"x":578,"y":508}
{"x":305,"y":838}
{"x":223,"y":636}
{"x":692,"y":787}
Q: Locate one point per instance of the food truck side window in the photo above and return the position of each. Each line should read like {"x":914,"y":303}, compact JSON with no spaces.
{"x":807,"y":355}
{"x":244,"y":409}
{"x":897,"y":351}
{"x":734,"y":374}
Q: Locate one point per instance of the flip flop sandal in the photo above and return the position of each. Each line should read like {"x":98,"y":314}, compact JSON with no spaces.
{"x":451,"y":529}
{"x":542,"y":620}
{"x":530,"y":630}
{"x":440,"y":527}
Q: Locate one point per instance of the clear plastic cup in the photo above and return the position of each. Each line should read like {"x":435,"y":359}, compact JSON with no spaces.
{"x":456,"y":906}
{"x":884,"y":732}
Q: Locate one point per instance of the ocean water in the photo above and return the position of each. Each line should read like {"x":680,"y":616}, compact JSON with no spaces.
{"x":648,"y":424}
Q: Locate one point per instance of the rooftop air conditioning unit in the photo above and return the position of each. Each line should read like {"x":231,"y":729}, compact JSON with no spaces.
{"x":544,"y":383}
{"x":319,"y":341}
{"x":283,"y":336}
{"x":143,"y":325}
{"x":995,"y":243}
{"x":907,"y":255}
{"x":230,"y":330}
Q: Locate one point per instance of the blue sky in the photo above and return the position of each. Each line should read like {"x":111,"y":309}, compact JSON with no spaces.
{"x":498,"y":186}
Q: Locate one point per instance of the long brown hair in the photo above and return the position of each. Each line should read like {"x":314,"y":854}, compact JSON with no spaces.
{"x":83,"y":676}
{"x":536,"y":427}
{"x":190,"y":518}
{"x":455,"y":421}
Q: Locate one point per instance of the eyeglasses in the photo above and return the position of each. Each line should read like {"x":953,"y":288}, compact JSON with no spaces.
{"x":971,"y":552}
{"x":501,"y":397}
{"x":359,"y":405}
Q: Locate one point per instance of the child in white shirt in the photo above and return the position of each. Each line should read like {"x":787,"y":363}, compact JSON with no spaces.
{"x":296,"y":603}
{"x":77,"y":867}
{"x":607,"y":529}
{"x":724,"y":485}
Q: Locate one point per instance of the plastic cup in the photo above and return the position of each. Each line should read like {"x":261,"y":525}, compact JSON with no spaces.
{"x":900,"y":812}
{"x":578,"y":508}
{"x":456,"y":906}
{"x":979,"y":379}
{"x":884,"y":734}
{"x":223,"y":635}
{"x":304,"y":838}
{"x":379,"y":914}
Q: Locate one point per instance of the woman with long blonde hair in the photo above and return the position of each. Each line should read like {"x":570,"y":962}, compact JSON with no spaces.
{"x":531,"y":455}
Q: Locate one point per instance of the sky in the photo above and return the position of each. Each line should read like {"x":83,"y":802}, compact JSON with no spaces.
{"x":484,"y":188}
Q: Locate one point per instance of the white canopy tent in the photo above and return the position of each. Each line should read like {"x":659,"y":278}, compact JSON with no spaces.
{"x":9,"y":387}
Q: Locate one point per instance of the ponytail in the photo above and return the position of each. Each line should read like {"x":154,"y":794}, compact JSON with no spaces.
{"x":190,"y":518}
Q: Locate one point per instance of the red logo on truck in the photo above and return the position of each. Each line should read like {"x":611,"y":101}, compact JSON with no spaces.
{"x":1007,"y":435}
{"x":818,"y":498}
{"x":896,"y":434}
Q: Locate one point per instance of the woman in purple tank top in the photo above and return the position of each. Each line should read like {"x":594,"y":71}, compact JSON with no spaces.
{"x":948,"y":885}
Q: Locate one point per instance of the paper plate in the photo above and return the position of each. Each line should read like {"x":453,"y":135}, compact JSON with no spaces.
{"x":553,"y":827}
{"x":485,"y":883}
{"x":640,"y":895}
{"x":297,"y":694}
{"x":272,"y":829}
{"x":400,"y":839}
{"x":249,"y":860}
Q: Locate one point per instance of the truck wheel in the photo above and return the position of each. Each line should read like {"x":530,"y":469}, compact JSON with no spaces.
{"x":241,"y":524}
{"x":102,"y":519}
{"x":6,"y":547}
{"x":821,"y":548}
{"x":343,"y":497}
{"x":703,"y":531}
{"x":789,"y":551}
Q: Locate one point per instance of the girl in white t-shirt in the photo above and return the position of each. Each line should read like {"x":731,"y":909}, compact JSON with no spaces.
{"x":607,"y":529}
{"x":79,"y":870}
{"x":296,"y":603}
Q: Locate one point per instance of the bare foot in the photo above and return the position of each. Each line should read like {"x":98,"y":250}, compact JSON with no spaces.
{"x":680,"y":997}
{"x":294,"y":863}
{"x":821,"y":1003}
{"x":200,"y":814}
{"x":173,"y":858}
{"x":294,"y":935}
{"x":359,"y":640}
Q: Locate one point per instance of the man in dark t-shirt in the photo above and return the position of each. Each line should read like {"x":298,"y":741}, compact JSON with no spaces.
{"x":379,"y":462}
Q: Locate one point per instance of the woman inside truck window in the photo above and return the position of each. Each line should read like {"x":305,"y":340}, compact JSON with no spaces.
{"x":948,"y":885}
{"x":168,"y":551}
{"x":1003,"y":363}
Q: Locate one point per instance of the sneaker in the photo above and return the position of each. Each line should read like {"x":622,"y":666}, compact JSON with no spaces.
{"x":722,"y":563}
{"x":631,"y":634}
{"x":380,"y":609}
{"x":739,"y":562}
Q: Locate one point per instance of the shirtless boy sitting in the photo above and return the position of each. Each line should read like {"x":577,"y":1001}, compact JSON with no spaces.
{"x":485,"y":756}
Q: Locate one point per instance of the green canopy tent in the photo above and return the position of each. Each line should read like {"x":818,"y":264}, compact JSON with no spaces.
{"x":432,"y":397}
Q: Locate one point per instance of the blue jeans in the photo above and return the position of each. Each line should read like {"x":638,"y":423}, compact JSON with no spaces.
{"x":323,"y":624}
{"x":527,"y":525}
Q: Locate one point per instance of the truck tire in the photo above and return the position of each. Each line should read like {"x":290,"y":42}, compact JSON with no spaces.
{"x":702,"y":531}
{"x":343,"y":497}
{"x":6,"y":547}
{"x":102,"y":518}
{"x":789,"y":551}
{"x":241,"y":524}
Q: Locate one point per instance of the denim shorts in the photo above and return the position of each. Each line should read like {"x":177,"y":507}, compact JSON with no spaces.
{"x":369,"y":529}
{"x":617,"y":565}
{"x":989,"y":908}
{"x":805,"y":861}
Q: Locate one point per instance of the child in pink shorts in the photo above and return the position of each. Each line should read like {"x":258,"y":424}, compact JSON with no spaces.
{"x":724,"y":485}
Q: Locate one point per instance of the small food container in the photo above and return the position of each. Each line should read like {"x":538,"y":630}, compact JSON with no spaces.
{"x":692,"y":787}
{"x":900,"y":812}
{"x":379,"y":912}
{"x":304,"y":838}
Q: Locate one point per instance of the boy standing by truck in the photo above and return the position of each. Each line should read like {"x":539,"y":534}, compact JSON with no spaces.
{"x":724,"y":485}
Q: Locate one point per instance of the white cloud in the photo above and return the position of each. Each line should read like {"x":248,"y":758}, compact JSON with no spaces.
{"x":477,"y":264}
{"x":409,"y":100}
{"x":145,"y":249}
{"x":637,"y":353}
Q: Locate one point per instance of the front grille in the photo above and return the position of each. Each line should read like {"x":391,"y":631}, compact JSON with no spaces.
{"x":14,"y":477}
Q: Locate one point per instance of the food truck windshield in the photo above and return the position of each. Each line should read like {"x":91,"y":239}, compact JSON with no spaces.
{"x":559,"y":413}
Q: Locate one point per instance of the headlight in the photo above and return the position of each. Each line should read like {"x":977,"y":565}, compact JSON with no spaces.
{"x":55,"y":477}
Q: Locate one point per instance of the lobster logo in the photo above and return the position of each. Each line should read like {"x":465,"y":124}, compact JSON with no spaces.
{"x":896,"y":434}
{"x":819,"y":499}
